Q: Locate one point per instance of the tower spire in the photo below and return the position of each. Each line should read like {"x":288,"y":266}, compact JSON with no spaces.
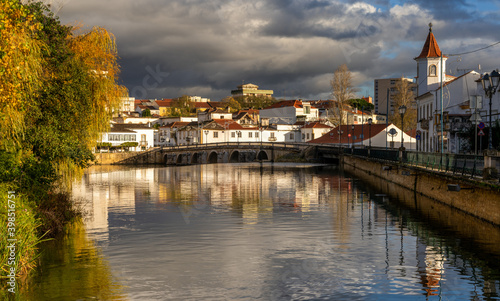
{"x":431,"y":47}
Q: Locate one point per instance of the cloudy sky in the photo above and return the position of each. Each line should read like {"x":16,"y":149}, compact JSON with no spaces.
{"x":168,"y":48}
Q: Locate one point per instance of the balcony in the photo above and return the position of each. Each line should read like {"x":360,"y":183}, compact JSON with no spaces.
{"x":272,"y":139}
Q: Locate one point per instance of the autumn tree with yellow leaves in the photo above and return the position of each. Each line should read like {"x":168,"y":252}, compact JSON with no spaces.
{"x":58,"y":87}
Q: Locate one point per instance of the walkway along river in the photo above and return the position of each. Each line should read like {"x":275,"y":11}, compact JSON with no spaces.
{"x":253,"y":231}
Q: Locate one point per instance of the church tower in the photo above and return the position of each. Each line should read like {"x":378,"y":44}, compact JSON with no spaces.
{"x":429,"y":71}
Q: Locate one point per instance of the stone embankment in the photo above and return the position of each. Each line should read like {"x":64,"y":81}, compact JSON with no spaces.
{"x":475,"y":197}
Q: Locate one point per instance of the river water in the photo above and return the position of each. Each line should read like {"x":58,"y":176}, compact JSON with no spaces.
{"x":261,"y":232}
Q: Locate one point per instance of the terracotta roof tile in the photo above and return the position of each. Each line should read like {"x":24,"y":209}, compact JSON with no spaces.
{"x":431,"y":47}
{"x":334,"y":137}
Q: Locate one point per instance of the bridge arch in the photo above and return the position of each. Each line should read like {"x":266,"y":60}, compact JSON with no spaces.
{"x":178,"y":160}
{"x":196,"y":158}
{"x":262,"y":156}
{"x":212,"y":158}
{"x":235,"y":157}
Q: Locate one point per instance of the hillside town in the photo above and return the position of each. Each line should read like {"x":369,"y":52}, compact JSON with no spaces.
{"x":440,"y":111}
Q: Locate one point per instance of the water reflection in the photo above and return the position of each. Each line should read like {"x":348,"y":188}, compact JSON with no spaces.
{"x":72,"y":268}
{"x":280,"y":232}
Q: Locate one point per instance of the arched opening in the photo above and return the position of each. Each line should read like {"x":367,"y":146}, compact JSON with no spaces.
{"x":179,"y":160}
{"x":212,"y":158}
{"x":262,"y":156}
{"x":165,"y":159}
{"x":195,"y":158}
{"x":235,"y":157}
{"x":432,"y":70}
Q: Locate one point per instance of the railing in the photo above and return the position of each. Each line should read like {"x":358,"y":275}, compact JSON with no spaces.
{"x":469,"y":165}
{"x":283,"y":145}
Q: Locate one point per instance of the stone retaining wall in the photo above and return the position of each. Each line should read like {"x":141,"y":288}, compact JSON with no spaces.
{"x":475,"y":197}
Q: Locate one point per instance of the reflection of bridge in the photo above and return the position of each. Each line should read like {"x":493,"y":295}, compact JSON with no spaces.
{"x":229,"y":152}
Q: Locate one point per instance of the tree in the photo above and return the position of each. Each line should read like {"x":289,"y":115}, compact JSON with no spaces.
{"x":20,"y":69}
{"x":404,"y":96}
{"x":342,"y":91}
{"x":181,"y":106}
{"x":232,"y":103}
{"x":146,"y":113}
{"x":361,"y":104}
{"x":255,"y":102}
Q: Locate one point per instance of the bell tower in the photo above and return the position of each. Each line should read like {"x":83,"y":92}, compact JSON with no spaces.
{"x":429,"y":69}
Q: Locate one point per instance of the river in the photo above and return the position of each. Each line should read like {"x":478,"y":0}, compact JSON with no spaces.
{"x":260,"y":232}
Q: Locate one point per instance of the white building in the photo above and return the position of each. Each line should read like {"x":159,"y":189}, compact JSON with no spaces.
{"x":121,"y":133}
{"x":313,"y":130}
{"x":441,"y":95}
{"x":289,"y":112}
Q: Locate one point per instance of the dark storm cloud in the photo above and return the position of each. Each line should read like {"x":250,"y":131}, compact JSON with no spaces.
{"x":208,"y":47}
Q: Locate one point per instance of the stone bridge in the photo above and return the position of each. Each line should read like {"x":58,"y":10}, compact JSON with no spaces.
{"x":229,"y":152}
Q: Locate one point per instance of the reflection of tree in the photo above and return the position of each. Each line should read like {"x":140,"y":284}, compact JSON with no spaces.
{"x":72,"y":268}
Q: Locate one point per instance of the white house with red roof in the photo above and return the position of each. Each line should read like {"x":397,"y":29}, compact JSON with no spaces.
{"x":313,"y":130}
{"x":439,"y":95}
{"x":289,"y":112}
{"x":376,"y":135}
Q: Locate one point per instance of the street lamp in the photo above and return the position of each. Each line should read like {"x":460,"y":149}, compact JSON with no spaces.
{"x":206,"y":136}
{"x":402,"y":111}
{"x":370,"y":132}
{"x":490,"y":85}
{"x":238,"y":134}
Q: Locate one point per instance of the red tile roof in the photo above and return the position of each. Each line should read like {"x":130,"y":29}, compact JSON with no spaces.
{"x":165,"y":102}
{"x":333,"y":136}
{"x":431,"y":47}
{"x":176,"y":124}
{"x":228,"y":124}
{"x":316,"y":125}
{"x":199,"y":105}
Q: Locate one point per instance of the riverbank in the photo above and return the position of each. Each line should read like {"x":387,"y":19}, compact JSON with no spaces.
{"x":474,"y":197}
{"x":24,"y":223}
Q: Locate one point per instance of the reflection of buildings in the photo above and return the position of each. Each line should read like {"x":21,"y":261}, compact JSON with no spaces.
{"x":252,"y":190}
{"x":430,"y":266}
{"x":109,"y":190}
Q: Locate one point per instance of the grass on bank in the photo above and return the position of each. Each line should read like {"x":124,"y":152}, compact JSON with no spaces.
{"x":33,"y":224}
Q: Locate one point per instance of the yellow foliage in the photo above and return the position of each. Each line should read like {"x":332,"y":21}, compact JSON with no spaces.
{"x":96,"y":49}
{"x":20,"y":67}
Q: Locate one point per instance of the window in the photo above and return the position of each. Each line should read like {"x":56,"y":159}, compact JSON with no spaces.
{"x":216,"y":134}
{"x":303,"y":136}
{"x":256,"y":134}
{"x":272,"y":135}
{"x":291,"y":136}
{"x":143,"y":137}
{"x":432,"y":70}
{"x":307,"y":136}
{"x":249,"y":134}
{"x":233,"y":135}
{"x":307,"y":110}
{"x":239,"y":134}
{"x":221,"y":117}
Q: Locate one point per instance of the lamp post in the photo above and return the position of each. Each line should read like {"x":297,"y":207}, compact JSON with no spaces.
{"x":402,"y":111}
{"x":490,"y":85}
{"x":206,"y":136}
{"x":352,"y":127}
{"x":238,"y":134}
{"x":370,"y":132}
